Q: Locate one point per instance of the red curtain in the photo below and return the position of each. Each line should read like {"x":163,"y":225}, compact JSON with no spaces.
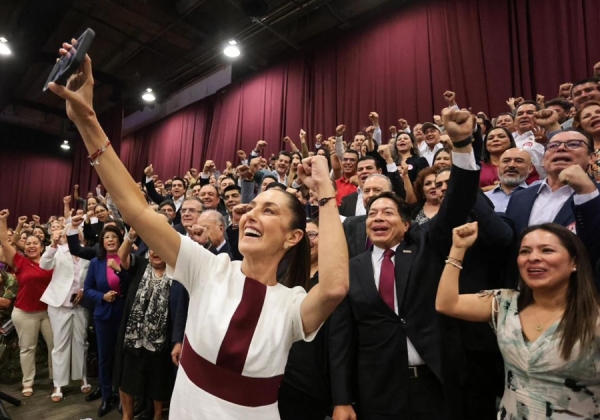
{"x":485,"y":51}
{"x":173,"y":145}
{"x":35,"y":174}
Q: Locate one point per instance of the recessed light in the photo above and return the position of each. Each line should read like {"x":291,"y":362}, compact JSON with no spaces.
{"x":65,"y":145}
{"x":232,"y":50}
{"x":149,"y":96}
{"x":4,"y":48}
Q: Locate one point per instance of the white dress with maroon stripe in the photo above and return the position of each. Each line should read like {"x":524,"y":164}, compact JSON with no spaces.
{"x":238,"y":336}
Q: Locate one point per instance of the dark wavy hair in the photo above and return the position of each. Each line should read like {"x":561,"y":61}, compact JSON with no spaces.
{"x":485,"y":154}
{"x":296,"y":271}
{"x":579,"y":322}
{"x":105,"y":230}
{"x":414,"y":150}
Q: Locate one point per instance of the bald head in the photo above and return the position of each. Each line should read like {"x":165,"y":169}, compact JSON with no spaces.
{"x":374,"y":185}
{"x":514,"y":168}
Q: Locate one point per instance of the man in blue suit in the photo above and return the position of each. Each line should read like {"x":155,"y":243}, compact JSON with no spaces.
{"x":567,"y":196}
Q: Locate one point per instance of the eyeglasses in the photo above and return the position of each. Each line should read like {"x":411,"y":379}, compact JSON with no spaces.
{"x":569,"y":144}
{"x":110,"y":237}
{"x":312,"y":234}
{"x":190,"y":211}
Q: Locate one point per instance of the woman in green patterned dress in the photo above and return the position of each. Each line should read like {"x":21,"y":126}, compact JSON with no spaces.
{"x":548,"y":331}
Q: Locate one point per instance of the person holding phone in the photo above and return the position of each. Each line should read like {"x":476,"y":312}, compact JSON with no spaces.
{"x":68,"y":318}
{"x":242,"y":321}
{"x":104,"y":285}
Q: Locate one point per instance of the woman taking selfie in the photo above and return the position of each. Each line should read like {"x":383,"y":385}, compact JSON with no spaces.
{"x":242,"y":321}
{"x":548,"y":331}
{"x":30,"y":315}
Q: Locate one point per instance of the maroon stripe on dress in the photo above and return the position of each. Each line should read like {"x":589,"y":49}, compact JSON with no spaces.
{"x":234,"y":348}
{"x":227,"y":385}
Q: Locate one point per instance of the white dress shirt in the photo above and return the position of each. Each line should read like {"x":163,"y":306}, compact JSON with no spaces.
{"x":526,"y":141}
{"x":428,"y":154}
{"x":548,"y":203}
{"x":377,"y":258}
{"x":360,"y":206}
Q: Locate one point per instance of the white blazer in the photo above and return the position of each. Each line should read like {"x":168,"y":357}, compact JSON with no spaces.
{"x":61,"y":261}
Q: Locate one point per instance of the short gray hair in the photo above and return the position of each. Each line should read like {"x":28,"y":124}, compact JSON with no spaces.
{"x":389,"y":183}
{"x":214,"y":214}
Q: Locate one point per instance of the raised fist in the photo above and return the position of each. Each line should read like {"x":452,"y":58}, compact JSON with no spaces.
{"x":198,"y":234}
{"x":437,"y":120}
{"x":260,"y":145}
{"x":242,"y":155}
{"x":564,"y":90}
{"x":519,"y":101}
{"x":545,"y":118}
{"x":76,"y":221}
{"x":385,"y":152}
{"x":286,"y":139}
{"x":575,"y":177}
{"x":459,"y":124}
{"x":22,"y":219}
{"x":402,"y":124}
{"x":302,"y":134}
{"x":319,"y":138}
{"x":540,"y":99}
{"x":450,"y":97}
{"x":149,"y":170}
{"x":374,"y":116}
{"x":4,"y":215}
{"x":209,"y":166}
{"x":237,"y":212}
{"x":464,"y":236}
{"x":339,"y":130}
{"x":67,"y":199}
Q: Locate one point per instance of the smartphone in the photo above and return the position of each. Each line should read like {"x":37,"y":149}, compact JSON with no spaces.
{"x":73,"y":297}
{"x":70,"y":62}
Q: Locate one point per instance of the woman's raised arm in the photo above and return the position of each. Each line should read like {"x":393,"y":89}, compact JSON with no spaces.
{"x":116,"y":179}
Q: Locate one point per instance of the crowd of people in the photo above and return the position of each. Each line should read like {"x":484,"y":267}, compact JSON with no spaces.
{"x":444,"y":270}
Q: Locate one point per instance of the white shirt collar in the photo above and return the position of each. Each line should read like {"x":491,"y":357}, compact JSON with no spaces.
{"x":544,"y":185}
{"x":378,"y":252}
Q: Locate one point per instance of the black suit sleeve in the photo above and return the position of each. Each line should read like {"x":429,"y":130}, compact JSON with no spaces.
{"x":494,"y":229}
{"x":397,"y":184}
{"x":345,"y":209}
{"x":153,"y":194}
{"x":75,"y":248}
{"x":342,"y":354}
{"x":478,"y":144}
{"x":463,"y":188}
{"x":180,"y":315}
{"x":587,"y":218}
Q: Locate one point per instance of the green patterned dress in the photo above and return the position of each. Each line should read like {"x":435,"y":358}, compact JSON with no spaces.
{"x":10,"y":365}
{"x":539,"y":384}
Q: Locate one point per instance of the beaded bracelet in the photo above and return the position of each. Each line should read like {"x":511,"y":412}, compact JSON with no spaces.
{"x":448,"y":261}
{"x":94,"y":157}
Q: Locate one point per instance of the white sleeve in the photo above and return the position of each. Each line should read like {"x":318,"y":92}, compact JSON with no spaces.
{"x":580,"y":199}
{"x":298,"y":296}
{"x":195,"y":264}
{"x":377,"y":135}
{"x":339,"y":147}
{"x":465,"y":161}
{"x":47,"y":260}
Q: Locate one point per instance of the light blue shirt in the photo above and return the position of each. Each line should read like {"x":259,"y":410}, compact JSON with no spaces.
{"x":499,"y":197}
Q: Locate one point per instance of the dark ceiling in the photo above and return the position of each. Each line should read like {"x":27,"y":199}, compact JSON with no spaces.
{"x":165,"y":44}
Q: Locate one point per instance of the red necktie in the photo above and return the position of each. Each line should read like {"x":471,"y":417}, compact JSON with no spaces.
{"x":387,"y":278}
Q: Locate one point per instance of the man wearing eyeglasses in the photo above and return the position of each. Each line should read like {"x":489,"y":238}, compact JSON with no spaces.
{"x":567,"y":196}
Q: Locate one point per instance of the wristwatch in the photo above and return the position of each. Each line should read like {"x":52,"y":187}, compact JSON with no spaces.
{"x":324,"y":201}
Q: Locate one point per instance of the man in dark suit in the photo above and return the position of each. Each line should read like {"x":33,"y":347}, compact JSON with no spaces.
{"x":355,"y":227}
{"x":177,"y":195}
{"x":567,"y":196}
{"x":391,"y":353}
{"x":352,"y":204}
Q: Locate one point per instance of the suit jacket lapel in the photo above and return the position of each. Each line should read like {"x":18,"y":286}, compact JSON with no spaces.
{"x":565,"y":213}
{"x":366,"y":278}
{"x":403,"y":261}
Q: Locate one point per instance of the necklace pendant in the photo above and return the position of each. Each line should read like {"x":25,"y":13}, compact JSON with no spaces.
{"x":539,"y":327}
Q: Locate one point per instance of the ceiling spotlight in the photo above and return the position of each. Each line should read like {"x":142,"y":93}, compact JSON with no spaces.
{"x":148,"y":96}
{"x":4,"y":49}
{"x":65,"y":145}
{"x":232,"y":50}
